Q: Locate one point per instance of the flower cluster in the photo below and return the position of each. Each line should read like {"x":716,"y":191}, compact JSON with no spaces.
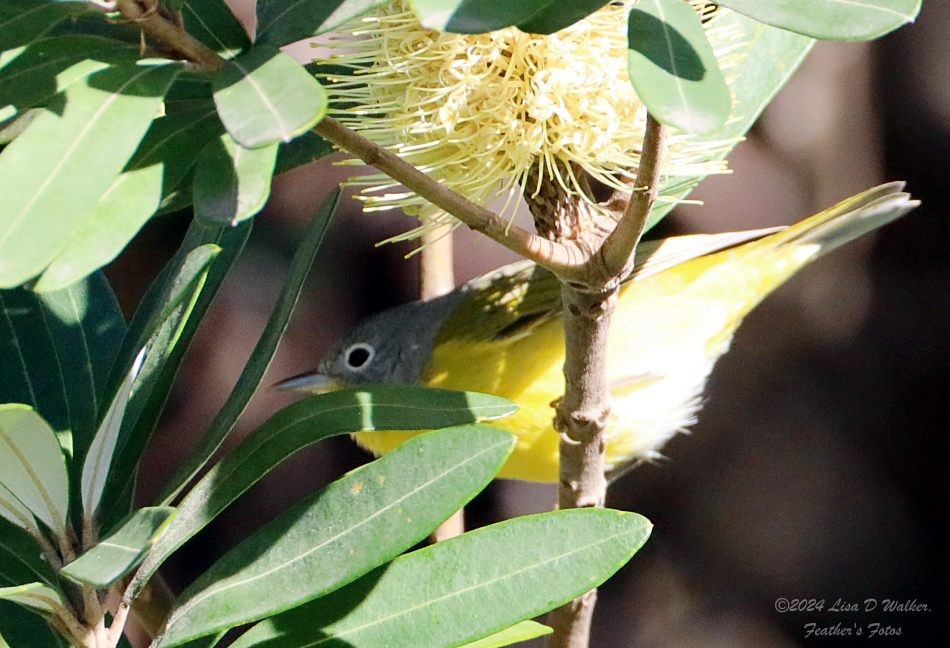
{"x":480,"y":112}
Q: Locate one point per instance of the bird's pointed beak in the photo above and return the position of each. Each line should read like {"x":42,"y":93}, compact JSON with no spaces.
{"x":311,"y":382}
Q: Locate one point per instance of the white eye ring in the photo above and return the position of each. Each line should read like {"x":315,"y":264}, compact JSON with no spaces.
{"x":358,"y":356}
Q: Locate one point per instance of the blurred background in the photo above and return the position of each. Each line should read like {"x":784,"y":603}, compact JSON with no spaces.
{"x":820,"y":466}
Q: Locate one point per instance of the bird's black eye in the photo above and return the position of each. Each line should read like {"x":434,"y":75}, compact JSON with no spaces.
{"x":358,"y":355}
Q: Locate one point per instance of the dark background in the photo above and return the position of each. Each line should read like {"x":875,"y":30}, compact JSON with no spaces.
{"x":819,"y":468}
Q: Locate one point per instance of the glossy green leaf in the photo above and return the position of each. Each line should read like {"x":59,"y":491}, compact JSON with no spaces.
{"x":161,"y":163}
{"x":34,"y":596}
{"x":555,"y":15}
{"x":60,"y":347}
{"x":830,"y":19}
{"x":15,"y":511}
{"x":53,"y":174}
{"x":213,"y":23}
{"x":281,"y":22}
{"x":23,"y":629}
{"x":117,"y":555}
{"x":333,"y":537}
{"x":672,"y":66}
{"x":32,"y":74}
{"x":524,"y":631}
{"x":301,"y":151}
{"x":32,"y":465}
{"x":21,"y":560}
{"x":308,"y":421}
{"x":171,"y":339}
{"x":465,"y":588}
{"x":95,"y":469}
{"x":23,"y":22}
{"x":265,"y":96}
{"x":474,"y":16}
{"x":232,"y":183}
{"x":767,"y":58}
{"x":263,"y":351}
{"x":159,"y":331}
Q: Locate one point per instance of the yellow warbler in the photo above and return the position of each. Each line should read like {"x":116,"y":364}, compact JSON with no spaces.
{"x":676,"y":315}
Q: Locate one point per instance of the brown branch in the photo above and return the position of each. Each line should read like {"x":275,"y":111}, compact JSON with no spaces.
{"x":147,"y":15}
{"x":617,"y":251}
{"x":564,"y":259}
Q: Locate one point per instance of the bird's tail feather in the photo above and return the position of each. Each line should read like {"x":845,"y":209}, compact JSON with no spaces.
{"x":851,"y":218}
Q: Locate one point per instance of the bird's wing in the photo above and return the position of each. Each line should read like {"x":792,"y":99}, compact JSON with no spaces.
{"x":515,"y":299}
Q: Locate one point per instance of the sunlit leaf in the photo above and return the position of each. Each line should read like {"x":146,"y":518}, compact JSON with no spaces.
{"x":232,"y":183}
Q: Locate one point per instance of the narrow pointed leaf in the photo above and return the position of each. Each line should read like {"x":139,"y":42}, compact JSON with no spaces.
{"x":524,"y":631}
{"x":162,"y":162}
{"x":172,"y":337}
{"x":59,"y":348}
{"x":309,"y":421}
{"x":32,"y":465}
{"x":213,"y":23}
{"x":23,"y":22}
{"x":95,"y":469}
{"x":469,"y":587}
{"x":768,"y":56}
{"x":21,"y":628}
{"x":34,"y":596}
{"x":354,"y":525}
{"x":52,"y":176}
{"x":672,"y":66}
{"x":474,"y":16}
{"x":21,"y":559}
{"x":263,"y":351}
{"x":281,"y":22}
{"x":557,"y":15}
{"x":31,"y":75}
{"x":831,"y":19}
{"x":232,"y":183}
{"x":114,"y":557}
{"x":265,"y":97}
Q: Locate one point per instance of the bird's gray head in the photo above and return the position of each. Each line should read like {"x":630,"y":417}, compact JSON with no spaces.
{"x":391,"y":347}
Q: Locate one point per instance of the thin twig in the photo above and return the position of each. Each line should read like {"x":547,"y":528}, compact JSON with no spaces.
{"x":563,"y":259}
{"x":146,"y":14}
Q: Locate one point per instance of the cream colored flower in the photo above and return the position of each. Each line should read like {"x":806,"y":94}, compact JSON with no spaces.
{"x":478,"y":112}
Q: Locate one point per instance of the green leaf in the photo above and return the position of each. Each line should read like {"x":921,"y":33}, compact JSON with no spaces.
{"x":32,"y":465}
{"x":301,"y":151}
{"x":232,"y":183}
{"x":672,"y":66}
{"x":31,"y":75}
{"x":850,"y":20}
{"x":310,"y":420}
{"x":465,"y":588}
{"x":34,"y":596}
{"x":263,"y":351}
{"x":524,"y":631}
{"x":60,"y":348}
{"x":335,"y":536}
{"x":281,"y":22}
{"x":168,"y":311}
{"x":13,"y":510}
{"x":23,"y":629}
{"x":21,"y":559}
{"x":53,"y":174}
{"x":265,"y":97}
{"x":23,"y":22}
{"x":557,"y":15}
{"x":112,"y":558}
{"x":474,"y":16}
{"x":161,"y":163}
{"x":213,"y":23}
{"x":768,"y":57}
{"x":172,"y":339}
{"x":95,"y":469}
